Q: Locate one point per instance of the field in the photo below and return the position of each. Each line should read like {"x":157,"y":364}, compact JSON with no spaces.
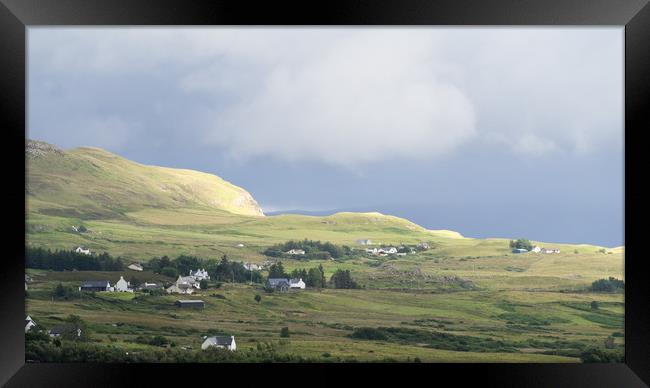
{"x":462,"y":300}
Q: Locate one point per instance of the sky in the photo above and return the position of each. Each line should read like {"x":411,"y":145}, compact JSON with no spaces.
{"x":491,"y":132}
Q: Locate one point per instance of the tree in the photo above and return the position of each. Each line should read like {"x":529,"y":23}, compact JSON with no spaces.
{"x":203,"y":284}
{"x":277,"y":271}
{"x":75,"y":329}
{"x":594,"y":305}
{"x":521,"y":243}
{"x":134,"y":281}
{"x":82,"y":229}
{"x":343,"y":279}
{"x":258,"y":298}
{"x":284,"y":333}
{"x":169,"y":271}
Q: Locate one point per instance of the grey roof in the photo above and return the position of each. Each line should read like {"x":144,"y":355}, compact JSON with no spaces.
{"x":277,"y":281}
{"x":189,"y":301}
{"x":221,"y":341}
{"x":95,"y":283}
{"x":59,"y":329}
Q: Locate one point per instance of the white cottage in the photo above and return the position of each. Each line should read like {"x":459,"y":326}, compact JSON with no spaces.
{"x":296,"y":283}
{"x":123,"y":286}
{"x":295,"y":252}
{"x":29,"y":323}
{"x":200,"y":274}
{"x":135,"y":267}
{"x":220,"y":342}
{"x":82,"y":250}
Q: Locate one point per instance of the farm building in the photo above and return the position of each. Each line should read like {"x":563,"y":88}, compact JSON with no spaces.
{"x":296,"y":283}
{"x":149,"y":286}
{"x":519,"y":250}
{"x":82,"y":250}
{"x":280,"y":284}
{"x":123,"y":286}
{"x":96,"y":285}
{"x":135,"y":267}
{"x":189,"y":303}
{"x":56,"y":331}
{"x":220,"y":342}
{"x":200,"y":274}
{"x":295,"y":252}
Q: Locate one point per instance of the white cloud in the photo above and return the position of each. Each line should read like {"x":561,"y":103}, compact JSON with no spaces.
{"x":353,"y":96}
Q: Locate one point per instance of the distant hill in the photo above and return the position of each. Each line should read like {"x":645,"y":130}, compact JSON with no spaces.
{"x":91,"y":183}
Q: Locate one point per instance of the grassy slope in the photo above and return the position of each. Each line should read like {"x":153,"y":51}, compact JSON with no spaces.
{"x":93,"y":183}
{"x":127,"y":213}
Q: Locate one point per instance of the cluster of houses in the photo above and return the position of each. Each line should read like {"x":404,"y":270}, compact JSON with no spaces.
{"x":295,"y":252}
{"x":284,"y":284}
{"x":105,"y":286}
{"x":54,"y":332}
{"x":536,"y":249}
{"x":224,"y":342}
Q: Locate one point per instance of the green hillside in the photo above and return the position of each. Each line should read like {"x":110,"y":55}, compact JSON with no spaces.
{"x":448,"y":303}
{"x":91,"y":183}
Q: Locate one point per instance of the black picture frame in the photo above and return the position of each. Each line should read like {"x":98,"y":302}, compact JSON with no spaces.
{"x":17,"y":15}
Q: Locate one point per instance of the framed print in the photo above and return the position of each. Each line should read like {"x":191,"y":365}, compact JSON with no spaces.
{"x":450,"y":188}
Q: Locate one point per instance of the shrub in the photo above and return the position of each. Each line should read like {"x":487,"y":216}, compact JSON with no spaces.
{"x":594,"y":305}
{"x":284,"y":332}
{"x":608,"y":285}
{"x":258,"y":298}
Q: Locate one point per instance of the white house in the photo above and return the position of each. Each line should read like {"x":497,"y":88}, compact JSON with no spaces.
{"x":373,"y":251}
{"x":550,"y":250}
{"x":536,"y":249}
{"x":29,"y":323}
{"x":83,"y":250}
{"x":220,"y":342}
{"x":423,"y":245}
{"x":180,"y":289}
{"x":296,"y":283}
{"x":184,"y":285}
{"x":135,"y":267}
{"x":123,"y":286}
{"x":252,"y":267}
{"x":200,"y":274}
{"x":295,"y":252}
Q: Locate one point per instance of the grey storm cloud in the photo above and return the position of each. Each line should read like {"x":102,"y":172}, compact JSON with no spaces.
{"x":354,"y":96}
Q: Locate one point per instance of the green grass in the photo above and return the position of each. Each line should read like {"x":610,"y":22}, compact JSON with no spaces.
{"x":472,"y":293}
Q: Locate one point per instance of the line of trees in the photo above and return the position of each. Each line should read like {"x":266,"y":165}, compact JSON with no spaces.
{"x":313,"y":249}
{"x":223,"y":270}
{"x":62,"y":260}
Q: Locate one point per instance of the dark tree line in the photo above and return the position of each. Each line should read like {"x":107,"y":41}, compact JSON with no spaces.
{"x":313,"y":249}
{"x":39,"y":258}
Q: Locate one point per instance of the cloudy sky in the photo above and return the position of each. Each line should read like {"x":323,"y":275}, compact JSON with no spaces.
{"x":493,"y":132}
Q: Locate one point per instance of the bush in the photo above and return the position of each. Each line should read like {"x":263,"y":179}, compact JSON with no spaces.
{"x":608,"y":285}
{"x":258,"y":298}
{"x":169,"y":271}
{"x":594,"y":305}
{"x":369,"y":333}
{"x":521,"y":244}
{"x":284,"y":333}
{"x":203,"y":284}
